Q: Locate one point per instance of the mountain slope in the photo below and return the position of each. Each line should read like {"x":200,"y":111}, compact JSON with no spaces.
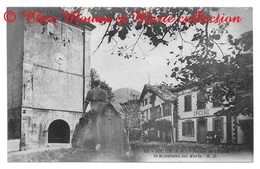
{"x":123,"y":94}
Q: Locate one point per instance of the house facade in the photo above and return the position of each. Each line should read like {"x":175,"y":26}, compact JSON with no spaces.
{"x":48,"y":76}
{"x":191,"y":117}
{"x":158,"y":113}
{"x":197,"y":119}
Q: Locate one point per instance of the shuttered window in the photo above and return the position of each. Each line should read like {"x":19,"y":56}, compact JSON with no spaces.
{"x":166,"y":109}
{"x":158,"y":112}
{"x":218,"y":125}
{"x":183,"y":128}
{"x":188,"y":128}
{"x":155,"y":112}
{"x":187,"y":103}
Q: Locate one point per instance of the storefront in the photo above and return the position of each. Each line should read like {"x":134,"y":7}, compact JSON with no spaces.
{"x":196,"y":129}
{"x":197,"y":121}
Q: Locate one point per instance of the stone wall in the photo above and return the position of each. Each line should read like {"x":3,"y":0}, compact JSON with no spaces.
{"x":36,"y":122}
{"x":15,"y":34}
{"x":53,"y":74}
{"x":53,"y":67}
{"x":45,"y":76}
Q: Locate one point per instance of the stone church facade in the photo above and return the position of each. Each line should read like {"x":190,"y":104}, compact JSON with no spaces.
{"x":48,"y":76}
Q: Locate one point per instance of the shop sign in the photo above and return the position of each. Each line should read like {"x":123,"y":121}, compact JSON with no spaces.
{"x":203,"y":112}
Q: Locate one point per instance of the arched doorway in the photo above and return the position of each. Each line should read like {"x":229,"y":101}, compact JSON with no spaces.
{"x":59,"y":132}
{"x":11,"y":129}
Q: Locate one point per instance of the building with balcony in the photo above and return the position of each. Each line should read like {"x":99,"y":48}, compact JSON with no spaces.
{"x":158,"y":113}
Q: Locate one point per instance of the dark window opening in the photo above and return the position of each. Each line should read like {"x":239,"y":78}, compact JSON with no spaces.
{"x":166,"y":110}
{"x":145,"y":102}
{"x":175,"y":103}
{"x":187,"y":103}
{"x":188,"y":128}
{"x":158,"y":112}
{"x":11,"y":129}
{"x":218,"y":125}
{"x":155,"y":112}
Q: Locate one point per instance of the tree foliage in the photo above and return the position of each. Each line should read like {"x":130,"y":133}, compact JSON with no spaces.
{"x":130,"y":111}
{"x":154,"y":31}
{"x":228,"y":72}
{"x":103,"y":84}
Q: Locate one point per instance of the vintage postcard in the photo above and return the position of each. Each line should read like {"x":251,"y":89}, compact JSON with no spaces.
{"x":130,"y":84}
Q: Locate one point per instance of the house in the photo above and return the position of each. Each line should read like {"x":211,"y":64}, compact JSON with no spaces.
{"x":158,"y":113}
{"x":191,"y":117}
{"x":197,"y":119}
{"x":48,"y":76}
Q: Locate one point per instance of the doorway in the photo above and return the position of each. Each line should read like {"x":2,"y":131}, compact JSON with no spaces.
{"x":11,"y":129}
{"x":202,"y":131}
{"x":59,"y":132}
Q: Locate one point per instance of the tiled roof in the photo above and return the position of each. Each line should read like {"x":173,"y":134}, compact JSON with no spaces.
{"x":161,"y":90}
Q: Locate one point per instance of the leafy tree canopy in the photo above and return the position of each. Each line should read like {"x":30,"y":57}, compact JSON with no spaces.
{"x":130,"y":111}
{"x":218,"y":61}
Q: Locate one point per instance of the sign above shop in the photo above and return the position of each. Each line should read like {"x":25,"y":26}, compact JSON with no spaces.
{"x":202,"y":112}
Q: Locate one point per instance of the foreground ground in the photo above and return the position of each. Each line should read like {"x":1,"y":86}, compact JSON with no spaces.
{"x":146,"y":152}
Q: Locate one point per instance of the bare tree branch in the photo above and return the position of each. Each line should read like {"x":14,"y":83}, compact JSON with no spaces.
{"x":142,"y":50}
{"x":105,"y":34}
{"x":184,"y":39}
{"x":137,"y":41}
{"x":113,"y":46}
{"x":218,"y":47}
{"x":133,"y":45}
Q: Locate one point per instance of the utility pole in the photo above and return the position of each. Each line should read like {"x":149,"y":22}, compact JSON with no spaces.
{"x":149,"y":79}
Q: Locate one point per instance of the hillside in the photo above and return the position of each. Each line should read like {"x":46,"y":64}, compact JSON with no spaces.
{"x":123,"y":94}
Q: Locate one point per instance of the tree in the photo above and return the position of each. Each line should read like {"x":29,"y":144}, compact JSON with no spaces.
{"x":103,"y":84}
{"x":131,"y":116}
{"x":220,"y":66}
{"x":155,"y":31}
{"x":231,"y":76}
{"x":230,"y":71}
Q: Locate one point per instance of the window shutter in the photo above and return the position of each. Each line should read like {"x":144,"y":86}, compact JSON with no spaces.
{"x":183,"y":128}
{"x":187,"y":100}
{"x":158,"y":112}
{"x":192,"y":129}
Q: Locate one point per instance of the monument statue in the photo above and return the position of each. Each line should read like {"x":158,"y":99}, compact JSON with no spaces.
{"x":101,"y":128}
{"x":97,"y":98}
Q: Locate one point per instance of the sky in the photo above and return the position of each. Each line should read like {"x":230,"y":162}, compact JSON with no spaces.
{"x":134,"y":73}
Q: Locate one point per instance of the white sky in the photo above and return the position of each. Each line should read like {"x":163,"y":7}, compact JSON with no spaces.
{"x":133,"y":73}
